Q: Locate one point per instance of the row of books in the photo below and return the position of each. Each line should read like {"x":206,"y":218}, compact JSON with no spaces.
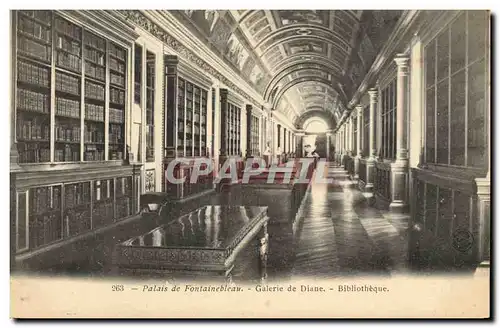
{"x":115,"y":153}
{"x":123,"y":207}
{"x":115,"y":134}
{"x":67,"y":107}
{"x":68,"y":28}
{"x":103,"y":190}
{"x":44,"y":229}
{"x":33,"y":153}
{"x":76,"y":194}
{"x":117,"y":96}
{"x":33,"y":74}
{"x":67,"y":83}
{"x":94,"y":71}
{"x":34,"y":49}
{"x":42,"y":15}
{"x":94,"y":56}
{"x":123,"y":186}
{"x":103,"y":214}
{"x":94,"y":91}
{"x":44,"y":199}
{"x":35,"y":129}
{"x":116,"y":65}
{"x":69,"y":61}
{"x":150,"y":98}
{"x":93,"y":153}
{"x":34,"y":29}
{"x":93,"y":133}
{"x":117,"y":79}
{"x":67,"y":154}
{"x":116,"y":115}
{"x":76,"y":221}
{"x":94,"y":112}
{"x":33,"y":101}
{"x":95,"y":41}
{"x":149,"y":117}
{"x":117,"y":52}
{"x":69,"y":45}
{"x":67,"y":132}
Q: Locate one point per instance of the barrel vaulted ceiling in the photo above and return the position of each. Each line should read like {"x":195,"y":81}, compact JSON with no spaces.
{"x":299,"y":60}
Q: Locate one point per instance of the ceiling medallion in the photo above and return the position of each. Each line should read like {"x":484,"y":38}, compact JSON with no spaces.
{"x":304,"y":31}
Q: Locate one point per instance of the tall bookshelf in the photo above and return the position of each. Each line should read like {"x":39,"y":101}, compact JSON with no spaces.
{"x":234,"y":130}
{"x":34,"y":80}
{"x":254,"y":134}
{"x":181,"y":117}
{"x":70,"y":91}
{"x":95,"y":73}
{"x":150,"y":105}
{"x":203,"y":123}
{"x":191,"y":119}
{"x":117,"y":82}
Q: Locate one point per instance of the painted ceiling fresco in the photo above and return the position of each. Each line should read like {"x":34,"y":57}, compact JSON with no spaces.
{"x":299,"y":60}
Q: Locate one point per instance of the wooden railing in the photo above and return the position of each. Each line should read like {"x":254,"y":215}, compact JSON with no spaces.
{"x":382,"y":183}
{"x":445,"y":225}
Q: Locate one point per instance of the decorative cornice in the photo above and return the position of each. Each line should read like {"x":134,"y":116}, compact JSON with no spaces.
{"x":401,"y":32}
{"x":103,"y":20}
{"x":140,"y":20}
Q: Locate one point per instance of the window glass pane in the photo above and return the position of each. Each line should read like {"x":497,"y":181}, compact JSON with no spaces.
{"x":458,"y":44}
{"x":443,"y":49}
{"x":477,"y":31}
{"x":457,"y":119}
{"x":442,"y":122}
{"x":430,"y":64}
{"x":476,"y":138}
{"x":430,"y":126}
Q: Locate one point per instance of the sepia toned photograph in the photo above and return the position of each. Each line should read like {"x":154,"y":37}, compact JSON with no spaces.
{"x":166,"y":161}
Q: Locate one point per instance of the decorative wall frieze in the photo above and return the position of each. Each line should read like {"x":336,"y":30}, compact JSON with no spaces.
{"x":139,"y":19}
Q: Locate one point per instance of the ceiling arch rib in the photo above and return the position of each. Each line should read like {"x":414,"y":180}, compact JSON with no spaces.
{"x":313,"y":96}
{"x":309,"y":57}
{"x":297,"y":67}
{"x":315,"y":80}
{"x":301,"y":30}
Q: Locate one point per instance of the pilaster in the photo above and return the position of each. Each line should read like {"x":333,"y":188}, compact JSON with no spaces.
{"x":170,"y":113}
{"x":359,"y":119}
{"x":249,"y":130}
{"x":399,"y":169}
{"x":372,"y":159}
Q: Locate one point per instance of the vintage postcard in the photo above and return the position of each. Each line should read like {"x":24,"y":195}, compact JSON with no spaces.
{"x":250,"y":163}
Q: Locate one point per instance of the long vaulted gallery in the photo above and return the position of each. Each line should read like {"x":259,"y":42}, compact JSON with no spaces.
{"x":249,"y":145}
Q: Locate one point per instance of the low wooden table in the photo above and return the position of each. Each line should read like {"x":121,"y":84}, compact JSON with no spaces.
{"x":203,"y":242}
